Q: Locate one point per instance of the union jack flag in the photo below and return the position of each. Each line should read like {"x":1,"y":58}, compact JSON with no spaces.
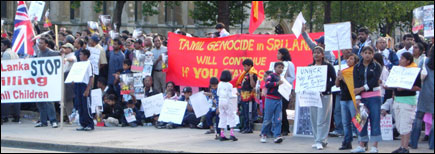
{"x":23,"y":32}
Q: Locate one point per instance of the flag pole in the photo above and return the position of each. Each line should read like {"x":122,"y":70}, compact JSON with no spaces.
{"x":62,"y":103}
{"x":339,"y":53}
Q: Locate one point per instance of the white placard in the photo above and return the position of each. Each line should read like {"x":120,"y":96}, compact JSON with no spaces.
{"x":96,"y":99}
{"x":338,"y":36}
{"x":309,"y":99}
{"x":128,"y":113}
{"x":386,"y":128}
{"x":95,"y":59}
{"x":152,"y":105}
{"x":401,"y":77}
{"x":173,"y":111}
{"x":312,"y":78}
{"x":78,"y":73}
{"x":285,"y":89}
{"x":31,"y":80}
{"x":200,"y":104}
{"x":297,"y":26}
{"x":343,"y":66}
{"x":35,"y":10}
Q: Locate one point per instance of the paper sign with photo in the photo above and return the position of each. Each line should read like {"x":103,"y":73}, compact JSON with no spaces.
{"x":129,"y":116}
{"x":126,"y":83}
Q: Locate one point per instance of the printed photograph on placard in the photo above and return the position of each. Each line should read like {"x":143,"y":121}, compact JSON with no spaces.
{"x":127,"y":82}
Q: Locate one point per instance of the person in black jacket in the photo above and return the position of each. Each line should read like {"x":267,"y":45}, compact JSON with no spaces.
{"x":321,"y":117}
{"x":366,"y":76}
{"x":112,"y":111}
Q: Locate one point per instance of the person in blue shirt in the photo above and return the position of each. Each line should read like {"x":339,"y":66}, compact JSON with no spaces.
{"x":214,"y":111}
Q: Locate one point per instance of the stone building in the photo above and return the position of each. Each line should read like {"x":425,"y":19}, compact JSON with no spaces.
{"x":62,"y":14}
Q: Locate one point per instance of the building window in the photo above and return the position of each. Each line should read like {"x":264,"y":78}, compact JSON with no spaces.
{"x":72,"y":11}
{"x":4,"y":9}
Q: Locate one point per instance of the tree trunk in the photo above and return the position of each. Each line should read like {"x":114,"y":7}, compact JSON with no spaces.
{"x":224,"y":13}
{"x":327,"y":18}
{"x":119,"y":6}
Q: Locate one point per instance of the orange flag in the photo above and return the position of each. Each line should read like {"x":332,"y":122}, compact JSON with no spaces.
{"x":257,"y":16}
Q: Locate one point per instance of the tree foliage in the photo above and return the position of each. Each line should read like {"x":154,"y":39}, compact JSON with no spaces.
{"x":150,"y":8}
{"x":207,"y":12}
{"x":371,"y":14}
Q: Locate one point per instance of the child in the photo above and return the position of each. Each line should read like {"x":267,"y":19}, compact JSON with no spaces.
{"x":273,"y":105}
{"x":189,"y":117}
{"x":213,"y":112}
{"x":227,"y":108}
{"x":112,"y":111}
{"x":247,"y":80}
{"x":263,"y":98}
{"x":405,"y":104}
{"x":131,"y":104}
{"x":82,"y":93}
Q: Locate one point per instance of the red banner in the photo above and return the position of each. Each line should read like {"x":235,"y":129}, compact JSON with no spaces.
{"x":193,"y":61}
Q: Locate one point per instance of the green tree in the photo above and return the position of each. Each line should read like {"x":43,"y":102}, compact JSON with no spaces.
{"x":208,"y":12}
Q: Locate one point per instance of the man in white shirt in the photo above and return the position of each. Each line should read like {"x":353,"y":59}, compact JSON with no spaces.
{"x":220,"y":27}
{"x":408,"y":42}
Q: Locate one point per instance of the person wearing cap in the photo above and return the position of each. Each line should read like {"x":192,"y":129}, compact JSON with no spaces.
{"x":220,"y":27}
{"x":329,"y":56}
{"x":69,"y":60}
{"x":93,"y":43}
{"x":189,"y":116}
{"x":158,"y":74}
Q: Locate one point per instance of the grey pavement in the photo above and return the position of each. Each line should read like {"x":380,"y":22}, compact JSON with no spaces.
{"x":150,"y":139}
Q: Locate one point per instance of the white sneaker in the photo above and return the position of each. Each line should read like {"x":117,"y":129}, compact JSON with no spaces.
{"x":358,"y":149}
{"x":319,"y":146}
{"x":263,"y":139}
{"x":199,"y":125}
{"x":54,"y":125}
{"x":314,"y":146}
{"x":374,"y":150}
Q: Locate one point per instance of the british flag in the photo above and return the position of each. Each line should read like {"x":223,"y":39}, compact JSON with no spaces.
{"x":23,"y":32}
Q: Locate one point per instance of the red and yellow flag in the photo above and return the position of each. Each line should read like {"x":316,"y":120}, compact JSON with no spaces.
{"x":257,"y":16}
{"x":47,"y":20}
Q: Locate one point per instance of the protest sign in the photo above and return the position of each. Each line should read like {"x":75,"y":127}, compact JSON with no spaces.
{"x":152,"y":105}
{"x":96,"y":100}
{"x":337,"y":36}
{"x":95,"y":59}
{"x":297,"y":26}
{"x":386,"y":128}
{"x":138,"y":61}
{"x":129,"y":116}
{"x":302,"y":123}
{"x":428,"y":20}
{"x":193,"y":61}
{"x":200,"y":104}
{"x":105,"y":21}
{"x":173,"y":111}
{"x":401,"y":77}
{"x":139,"y":90}
{"x":285,"y":89}
{"x":311,"y":78}
{"x":35,"y":10}
{"x":148,"y":63}
{"x":79,"y":73}
{"x":126,"y":83}
{"x":309,"y":99}
{"x":31,"y":80}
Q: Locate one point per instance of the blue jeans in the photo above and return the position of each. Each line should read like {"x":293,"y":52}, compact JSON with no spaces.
{"x":373,"y":104}
{"x":272,"y":117}
{"x":416,"y":129}
{"x":347,"y":112}
{"x":248,"y":119}
{"x":337,"y":114}
{"x":431,"y":140}
{"x":46,"y":112}
{"x":209,"y":120}
{"x":190,"y":118}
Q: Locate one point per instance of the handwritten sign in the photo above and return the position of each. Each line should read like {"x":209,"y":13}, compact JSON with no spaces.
{"x":200,"y":104}
{"x":337,"y":36}
{"x":35,"y":10}
{"x":97,"y":100}
{"x":152,"y":105}
{"x":309,"y":99}
{"x":79,"y":73}
{"x":285,"y":89}
{"x":311,"y":78}
{"x":401,"y":77}
{"x":94,"y":58}
{"x":173,"y":111}
{"x":386,"y":128}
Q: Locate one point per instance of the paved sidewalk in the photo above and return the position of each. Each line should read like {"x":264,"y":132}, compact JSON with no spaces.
{"x":150,"y":139}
